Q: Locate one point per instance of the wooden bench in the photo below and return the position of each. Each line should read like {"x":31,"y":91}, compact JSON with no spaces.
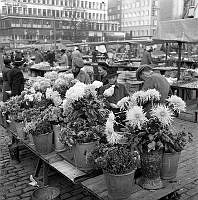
{"x":187,"y":173}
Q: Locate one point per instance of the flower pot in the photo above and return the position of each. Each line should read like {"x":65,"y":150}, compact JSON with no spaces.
{"x":46,"y":193}
{"x":119,"y":187}
{"x":150,"y":168}
{"x":58,"y":145}
{"x":43,"y":143}
{"x":30,"y":138}
{"x":80,"y":152}
{"x":169,"y":165}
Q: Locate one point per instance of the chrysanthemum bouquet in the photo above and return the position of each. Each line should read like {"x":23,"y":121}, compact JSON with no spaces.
{"x":148,"y":129}
{"x":84,"y":114}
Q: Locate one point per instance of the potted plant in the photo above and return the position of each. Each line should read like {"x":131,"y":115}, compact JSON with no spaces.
{"x":118,"y":163}
{"x":42,"y":133}
{"x":172,"y":151}
{"x":147,"y":124}
{"x":84,"y":119}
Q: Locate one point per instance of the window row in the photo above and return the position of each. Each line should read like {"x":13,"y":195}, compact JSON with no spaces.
{"x":68,"y":3}
{"x":139,"y":23}
{"x":52,"y":13}
{"x":143,"y":33}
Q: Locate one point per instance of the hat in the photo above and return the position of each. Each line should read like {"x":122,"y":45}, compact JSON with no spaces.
{"x":78,"y":62}
{"x":63,"y":50}
{"x":113,"y":72}
{"x":18,"y":60}
{"x":104,"y":65}
{"x":141,"y":69}
{"x":7,"y":61}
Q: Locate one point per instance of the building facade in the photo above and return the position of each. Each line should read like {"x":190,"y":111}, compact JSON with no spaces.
{"x":26,"y":21}
{"x":137,"y":18}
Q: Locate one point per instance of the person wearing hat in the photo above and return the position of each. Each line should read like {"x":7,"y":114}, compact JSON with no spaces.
{"x":6,"y":68}
{"x":153,"y":81}
{"x":119,"y":92}
{"x":15,"y":77}
{"x":77,"y":71}
{"x":64,"y":59}
{"x":38,"y":56}
{"x":146,"y":58}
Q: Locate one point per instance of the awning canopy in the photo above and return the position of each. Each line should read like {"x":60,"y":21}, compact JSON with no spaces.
{"x":182,"y":30}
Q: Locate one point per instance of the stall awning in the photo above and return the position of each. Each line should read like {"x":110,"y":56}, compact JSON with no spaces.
{"x":183,"y":30}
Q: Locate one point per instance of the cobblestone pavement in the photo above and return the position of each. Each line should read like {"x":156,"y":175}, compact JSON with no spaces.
{"x":14,"y":178}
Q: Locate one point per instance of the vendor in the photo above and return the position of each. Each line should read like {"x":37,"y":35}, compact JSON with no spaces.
{"x":146,"y":58}
{"x":15,"y":77}
{"x":64,"y":59}
{"x":6,"y":68}
{"x":119,"y":92}
{"x":77,"y":71}
{"x":153,"y":81}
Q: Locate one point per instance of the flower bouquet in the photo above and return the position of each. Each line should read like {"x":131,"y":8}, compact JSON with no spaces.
{"x":147,"y":126}
{"x":84,"y":118}
{"x":117,"y":161}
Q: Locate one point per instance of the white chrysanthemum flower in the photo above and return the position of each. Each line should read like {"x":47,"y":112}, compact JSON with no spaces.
{"x":136,"y":117}
{"x":97,"y":84}
{"x":123,"y":102}
{"x":60,"y":82}
{"x":163,"y":114}
{"x":36,"y":85}
{"x":32,"y":90}
{"x":110,"y":123}
{"x":139,"y":97}
{"x":51,"y":75}
{"x":113,"y":137}
{"x":49,"y":93}
{"x":90,"y":89}
{"x":152,"y":95}
{"x":29,"y":97}
{"x":44,"y":84}
{"x":176,"y":103}
{"x":76,"y":92}
{"x":66,"y":76}
{"x":109,"y":92}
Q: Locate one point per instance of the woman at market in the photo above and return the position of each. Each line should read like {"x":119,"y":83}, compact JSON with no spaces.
{"x":146,"y":58}
{"x":64,"y":59}
{"x":15,"y":77}
{"x":119,"y":91}
{"x":77,"y":71}
{"x":6,"y":68}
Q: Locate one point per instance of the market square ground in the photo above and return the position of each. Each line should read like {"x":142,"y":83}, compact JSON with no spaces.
{"x":14,"y":178}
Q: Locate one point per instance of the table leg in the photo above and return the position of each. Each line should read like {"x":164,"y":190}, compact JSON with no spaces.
{"x":38,"y":167}
{"x":45,"y":173}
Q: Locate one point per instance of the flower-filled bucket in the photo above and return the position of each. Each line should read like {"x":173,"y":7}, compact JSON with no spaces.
{"x":170,"y":165}
{"x":43,"y":143}
{"x":58,"y":145}
{"x":81,"y":152}
{"x":150,"y":168}
{"x":119,"y":186}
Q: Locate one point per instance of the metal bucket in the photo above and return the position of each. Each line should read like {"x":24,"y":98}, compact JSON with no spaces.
{"x":58,"y":145}
{"x":80,"y":152}
{"x":169,"y":165}
{"x":46,"y":193}
{"x":43,"y":143}
{"x":119,"y":187}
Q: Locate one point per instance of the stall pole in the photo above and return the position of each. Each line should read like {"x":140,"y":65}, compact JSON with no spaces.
{"x":166,"y":53}
{"x":179,"y":60}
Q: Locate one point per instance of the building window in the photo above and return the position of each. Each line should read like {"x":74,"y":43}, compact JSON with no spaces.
{"x":57,"y":13}
{"x":89,"y":4}
{"x":52,"y":2}
{"x":20,"y":10}
{"x":34,"y":11}
{"x":39,"y":12}
{"x":44,"y":13}
{"x":82,"y":4}
{"x":89,"y":15}
{"x":57,"y":2}
{"x":43,"y":1}
{"x":14,"y":10}
{"x":49,"y":13}
{"x":29,"y":11}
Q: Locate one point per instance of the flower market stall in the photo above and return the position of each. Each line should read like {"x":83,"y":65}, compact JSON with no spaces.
{"x":99,"y":148}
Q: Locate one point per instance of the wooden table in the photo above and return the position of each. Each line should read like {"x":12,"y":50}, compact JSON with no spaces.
{"x":163,"y":70}
{"x":187,"y":173}
{"x":184,"y":89}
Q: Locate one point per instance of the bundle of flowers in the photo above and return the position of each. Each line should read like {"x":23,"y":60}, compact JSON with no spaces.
{"x":54,"y":96}
{"x":41,"y":84}
{"x":51,"y":75}
{"x":151,"y":129}
{"x":84,"y":114}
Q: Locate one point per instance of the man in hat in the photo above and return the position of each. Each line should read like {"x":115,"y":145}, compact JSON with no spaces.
{"x":77,"y":71}
{"x":119,"y":92}
{"x":64,"y":59}
{"x":15,"y":77}
{"x":153,"y":81}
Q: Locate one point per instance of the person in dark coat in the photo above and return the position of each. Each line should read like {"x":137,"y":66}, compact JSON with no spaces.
{"x":6,"y":87}
{"x":146,"y":58}
{"x":15,"y":77}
